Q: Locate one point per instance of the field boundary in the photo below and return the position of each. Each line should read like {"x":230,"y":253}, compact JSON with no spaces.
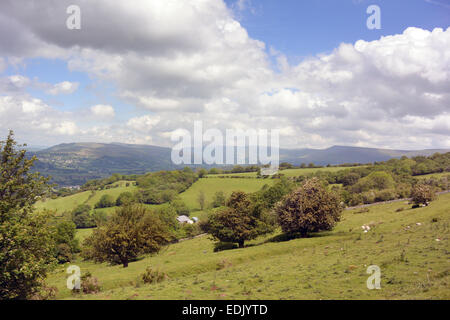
{"x":387,"y":202}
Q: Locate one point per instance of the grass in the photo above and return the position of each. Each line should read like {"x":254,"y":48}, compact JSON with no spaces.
{"x":329,"y":265}
{"x":68,"y":203}
{"x":287,"y":172}
{"x":212,"y":185}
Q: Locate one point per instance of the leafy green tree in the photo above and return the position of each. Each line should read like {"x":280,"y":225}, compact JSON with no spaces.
{"x":26,"y":240}
{"x":82,"y":218}
{"x":125,"y":198}
{"x":130,"y":232}
{"x":202,"y":172}
{"x":238,"y":222}
{"x":106,"y":201}
{"x":67,"y":244}
{"x":310,"y":208}
{"x":219,"y":199}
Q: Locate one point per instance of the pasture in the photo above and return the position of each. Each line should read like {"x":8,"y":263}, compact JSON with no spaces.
{"x":411,"y":247}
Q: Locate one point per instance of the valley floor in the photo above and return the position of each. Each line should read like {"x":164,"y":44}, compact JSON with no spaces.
{"x":411,"y":247}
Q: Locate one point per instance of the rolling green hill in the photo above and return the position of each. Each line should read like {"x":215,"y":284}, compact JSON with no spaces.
{"x":410,"y":247}
{"x":75,"y":163}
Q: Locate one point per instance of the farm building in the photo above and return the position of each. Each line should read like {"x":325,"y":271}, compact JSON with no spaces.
{"x":184,"y":219}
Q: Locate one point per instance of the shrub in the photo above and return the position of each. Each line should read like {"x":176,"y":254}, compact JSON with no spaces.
{"x":82,"y":218}
{"x":218,"y":200}
{"x":310,"y":208}
{"x":422,"y":194}
{"x":153,"y":276}
{"x":66,"y":243}
{"x":106,"y":201}
{"x":125,"y":198}
{"x":63,"y":253}
{"x":89,"y":283}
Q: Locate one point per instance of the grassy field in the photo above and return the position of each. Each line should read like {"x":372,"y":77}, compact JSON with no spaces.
{"x":287,"y":172}
{"x":88,"y":197}
{"x":211,"y":185}
{"x":411,"y":247}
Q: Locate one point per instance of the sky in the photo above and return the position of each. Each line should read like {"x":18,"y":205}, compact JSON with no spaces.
{"x":137,"y":71}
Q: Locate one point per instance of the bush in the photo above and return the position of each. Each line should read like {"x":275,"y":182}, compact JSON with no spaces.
{"x":82,"y":218}
{"x":310,"y":208}
{"x":106,"y":201}
{"x":124,"y":199}
{"x":218,"y":200}
{"x":66,"y":243}
{"x":63,"y":253}
{"x":422,"y":194}
{"x":153,"y":276}
{"x":89,"y":284}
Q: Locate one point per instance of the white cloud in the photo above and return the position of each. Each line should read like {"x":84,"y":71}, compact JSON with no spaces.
{"x":65,"y":87}
{"x":104,"y":111}
{"x":144,"y":123}
{"x":191,"y":60}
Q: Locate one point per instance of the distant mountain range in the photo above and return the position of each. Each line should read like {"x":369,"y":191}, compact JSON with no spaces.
{"x":76,"y":163}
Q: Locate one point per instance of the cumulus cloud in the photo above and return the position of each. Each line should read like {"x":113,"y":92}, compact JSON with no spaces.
{"x":65,"y":87}
{"x":192,"y":60}
{"x":104,"y":111}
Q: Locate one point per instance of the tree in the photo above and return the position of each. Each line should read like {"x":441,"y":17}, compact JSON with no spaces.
{"x":82,"y":218}
{"x":130,"y":232}
{"x":218,"y":200}
{"x":238,"y":222}
{"x":106,"y":201}
{"x":422,"y":194}
{"x":67,"y":244}
{"x":310,"y":208}
{"x":201,"y":200}
{"x":202,"y":172}
{"x":26,"y":240}
{"x":125,"y":198}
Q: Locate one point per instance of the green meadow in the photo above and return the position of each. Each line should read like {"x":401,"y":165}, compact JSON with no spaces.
{"x":410,"y":246}
{"x":209,"y":186}
{"x":68,"y":203}
{"x":287,"y":172}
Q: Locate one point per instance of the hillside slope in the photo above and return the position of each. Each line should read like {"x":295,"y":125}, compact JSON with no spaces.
{"x":410,"y":247}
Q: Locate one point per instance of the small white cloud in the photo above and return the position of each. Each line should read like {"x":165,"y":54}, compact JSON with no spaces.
{"x":143,"y":123}
{"x":66,"y":128}
{"x":104,"y":111}
{"x":19,"y":81}
{"x":64,"y":87}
